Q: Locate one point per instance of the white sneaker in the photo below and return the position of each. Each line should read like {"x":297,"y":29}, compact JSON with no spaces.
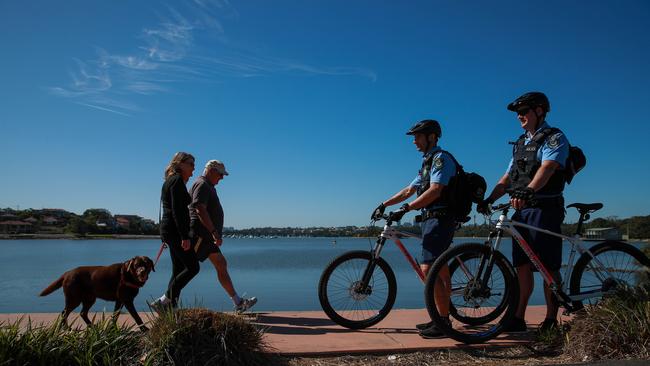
{"x":245,"y":304}
{"x":159,"y":306}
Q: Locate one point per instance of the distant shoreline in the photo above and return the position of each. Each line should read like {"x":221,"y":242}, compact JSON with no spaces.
{"x":75,"y":237}
{"x":145,"y":237}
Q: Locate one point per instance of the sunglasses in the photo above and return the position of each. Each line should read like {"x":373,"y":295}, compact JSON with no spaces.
{"x":523,"y":111}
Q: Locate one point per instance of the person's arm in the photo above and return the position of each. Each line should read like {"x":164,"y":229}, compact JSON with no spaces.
{"x":540,"y":179}
{"x":205,"y":220}
{"x":499,"y":189}
{"x":180,"y":212}
{"x":400,"y":196}
{"x":431,"y":194}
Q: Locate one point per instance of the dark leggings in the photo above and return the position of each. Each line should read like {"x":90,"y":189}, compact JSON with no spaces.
{"x":185,"y":266}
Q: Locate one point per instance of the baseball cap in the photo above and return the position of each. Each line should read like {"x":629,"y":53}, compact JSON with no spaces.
{"x":216,"y":165}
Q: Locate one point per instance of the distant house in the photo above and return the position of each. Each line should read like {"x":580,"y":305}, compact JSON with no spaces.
{"x":603,"y":233}
{"x":122,"y":222}
{"x":31,"y":220}
{"x":16,"y":227}
{"x":50,"y":220}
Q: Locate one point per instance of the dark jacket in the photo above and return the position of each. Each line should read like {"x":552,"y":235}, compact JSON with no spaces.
{"x":175,"y":213}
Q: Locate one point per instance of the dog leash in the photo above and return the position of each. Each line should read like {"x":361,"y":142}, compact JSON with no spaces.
{"x":163,"y":245}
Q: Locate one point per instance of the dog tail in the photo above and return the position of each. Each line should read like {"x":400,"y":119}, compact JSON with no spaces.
{"x":52,"y":287}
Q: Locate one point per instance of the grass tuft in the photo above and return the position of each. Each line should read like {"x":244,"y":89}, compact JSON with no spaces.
{"x":616,"y":328}
{"x":105,"y":343}
{"x":203,"y":337}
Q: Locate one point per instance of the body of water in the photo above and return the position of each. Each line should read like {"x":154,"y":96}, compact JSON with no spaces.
{"x":283,"y":273}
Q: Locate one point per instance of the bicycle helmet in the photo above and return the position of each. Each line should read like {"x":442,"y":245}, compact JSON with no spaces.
{"x":427,"y":127}
{"x":531,"y":99}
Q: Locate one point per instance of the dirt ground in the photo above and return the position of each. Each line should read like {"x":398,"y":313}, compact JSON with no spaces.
{"x":523,"y":355}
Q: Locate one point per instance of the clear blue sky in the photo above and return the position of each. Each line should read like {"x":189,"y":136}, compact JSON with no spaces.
{"x":307,"y":102}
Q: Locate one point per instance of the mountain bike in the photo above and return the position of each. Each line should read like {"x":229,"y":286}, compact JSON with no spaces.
{"x":487,"y":276}
{"x":358,"y":289}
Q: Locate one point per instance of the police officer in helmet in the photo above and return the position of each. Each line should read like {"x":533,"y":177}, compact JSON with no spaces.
{"x":536,"y":174}
{"x":431,"y":185}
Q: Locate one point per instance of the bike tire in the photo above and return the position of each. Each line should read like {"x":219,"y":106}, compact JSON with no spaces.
{"x":624,"y":261}
{"x":460,"y":312}
{"x":471,"y":334}
{"x":350,"y":309}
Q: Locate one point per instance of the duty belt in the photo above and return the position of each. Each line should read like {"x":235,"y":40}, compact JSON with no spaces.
{"x":545,"y":202}
{"x":432,"y":214}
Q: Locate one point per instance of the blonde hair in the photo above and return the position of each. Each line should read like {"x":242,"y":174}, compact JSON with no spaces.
{"x":172,"y":167}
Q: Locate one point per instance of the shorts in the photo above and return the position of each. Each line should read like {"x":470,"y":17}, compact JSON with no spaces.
{"x":548,"y":248}
{"x":202,"y":242}
{"x":437,"y":235}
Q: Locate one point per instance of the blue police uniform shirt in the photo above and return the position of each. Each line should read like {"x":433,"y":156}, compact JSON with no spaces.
{"x":555,"y":148}
{"x":442,"y":168}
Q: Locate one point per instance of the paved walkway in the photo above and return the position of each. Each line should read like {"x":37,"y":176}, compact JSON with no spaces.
{"x":312,"y":333}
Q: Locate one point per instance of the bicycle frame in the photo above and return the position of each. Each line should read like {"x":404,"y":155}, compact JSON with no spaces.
{"x":509,"y":226}
{"x":395,"y":235}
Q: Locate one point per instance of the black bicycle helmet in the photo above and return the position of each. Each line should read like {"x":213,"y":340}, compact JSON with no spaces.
{"x":531,"y":99}
{"x":427,"y":127}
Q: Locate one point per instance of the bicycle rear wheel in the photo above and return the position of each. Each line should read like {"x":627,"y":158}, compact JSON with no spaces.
{"x":626,"y":266}
{"x":501,"y":287}
{"x":461,"y":269}
{"x":346,"y":300}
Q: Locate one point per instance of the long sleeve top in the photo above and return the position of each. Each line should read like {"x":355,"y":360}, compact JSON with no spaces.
{"x":175,"y":212}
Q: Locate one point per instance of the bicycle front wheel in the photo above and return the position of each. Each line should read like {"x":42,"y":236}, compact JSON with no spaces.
{"x":487,"y":293}
{"x":351,"y":303}
{"x":461,"y":269}
{"x":623,"y":265}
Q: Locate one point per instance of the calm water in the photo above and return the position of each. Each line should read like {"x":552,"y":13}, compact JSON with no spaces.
{"x":282,"y":273}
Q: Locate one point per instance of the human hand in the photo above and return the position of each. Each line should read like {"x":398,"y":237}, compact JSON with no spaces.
{"x":378,"y":212}
{"x":483,"y":207}
{"x":519,"y":197}
{"x":185,"y":244}
{"x":397,"y":215}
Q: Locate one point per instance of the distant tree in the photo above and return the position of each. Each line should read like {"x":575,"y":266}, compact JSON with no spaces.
{"x":78,"y":226}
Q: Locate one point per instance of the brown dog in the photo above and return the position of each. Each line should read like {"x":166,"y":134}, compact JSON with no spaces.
{"x":119,"y":282}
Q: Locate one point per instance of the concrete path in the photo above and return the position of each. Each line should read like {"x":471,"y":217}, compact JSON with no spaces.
{"x":312,"y":333}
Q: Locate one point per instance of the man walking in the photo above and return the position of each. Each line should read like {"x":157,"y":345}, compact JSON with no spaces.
{"x":432,"y":185}
{"x":206,"y":223}
{"x":536,"y":173}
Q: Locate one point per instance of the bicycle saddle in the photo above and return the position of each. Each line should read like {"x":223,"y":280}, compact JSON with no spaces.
{"x":586,"y":207}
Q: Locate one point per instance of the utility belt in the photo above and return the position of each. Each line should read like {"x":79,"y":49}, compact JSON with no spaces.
{"x":546,"y":202}
{"x":440,"y":213}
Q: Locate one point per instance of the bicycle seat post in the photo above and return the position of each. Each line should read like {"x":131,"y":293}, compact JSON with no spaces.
{"x":584,"y":216}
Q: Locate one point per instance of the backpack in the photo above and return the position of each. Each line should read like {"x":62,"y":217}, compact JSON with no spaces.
{"x":576,"y":160}
{"x":466,"y":189}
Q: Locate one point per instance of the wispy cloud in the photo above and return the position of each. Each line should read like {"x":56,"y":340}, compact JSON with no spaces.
{"x":169,"y":54}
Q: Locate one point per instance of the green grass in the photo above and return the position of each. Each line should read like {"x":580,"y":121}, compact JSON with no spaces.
{"x":182,"y":337}
{"x":105,"y":343}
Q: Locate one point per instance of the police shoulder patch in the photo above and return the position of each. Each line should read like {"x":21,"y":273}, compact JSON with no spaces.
{"x":438,"y":162}
{"x":554,"y":140}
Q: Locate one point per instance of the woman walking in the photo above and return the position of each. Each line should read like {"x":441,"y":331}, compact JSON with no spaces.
{"x":175,"y":228}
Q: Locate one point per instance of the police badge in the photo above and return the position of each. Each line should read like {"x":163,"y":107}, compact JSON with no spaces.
{"x":437,"y":163}
{"x":554,"y":140}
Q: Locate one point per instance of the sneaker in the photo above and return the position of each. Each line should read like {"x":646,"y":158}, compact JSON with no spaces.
{"x":245,"y":304}
{"x":433,"y":331}
{"x":160,"y":307}
{"x":547,"y":325}
{"x":517,"y":325}
{"x":424,"y":326}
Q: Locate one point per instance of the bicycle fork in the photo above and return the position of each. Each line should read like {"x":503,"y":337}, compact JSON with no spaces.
{"x":363,"y":287}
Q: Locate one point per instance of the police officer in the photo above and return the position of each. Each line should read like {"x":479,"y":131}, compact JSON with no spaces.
{"x":536,"y":174}
{"x":438,"y":226}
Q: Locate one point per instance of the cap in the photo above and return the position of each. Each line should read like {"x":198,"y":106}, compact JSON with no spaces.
{"x":216,"y":165}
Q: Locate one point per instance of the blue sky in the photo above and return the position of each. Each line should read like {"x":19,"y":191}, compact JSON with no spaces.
{"x":307,"y":102}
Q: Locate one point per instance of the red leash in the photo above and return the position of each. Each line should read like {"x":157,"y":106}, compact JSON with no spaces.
{"x":162,"y":247}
